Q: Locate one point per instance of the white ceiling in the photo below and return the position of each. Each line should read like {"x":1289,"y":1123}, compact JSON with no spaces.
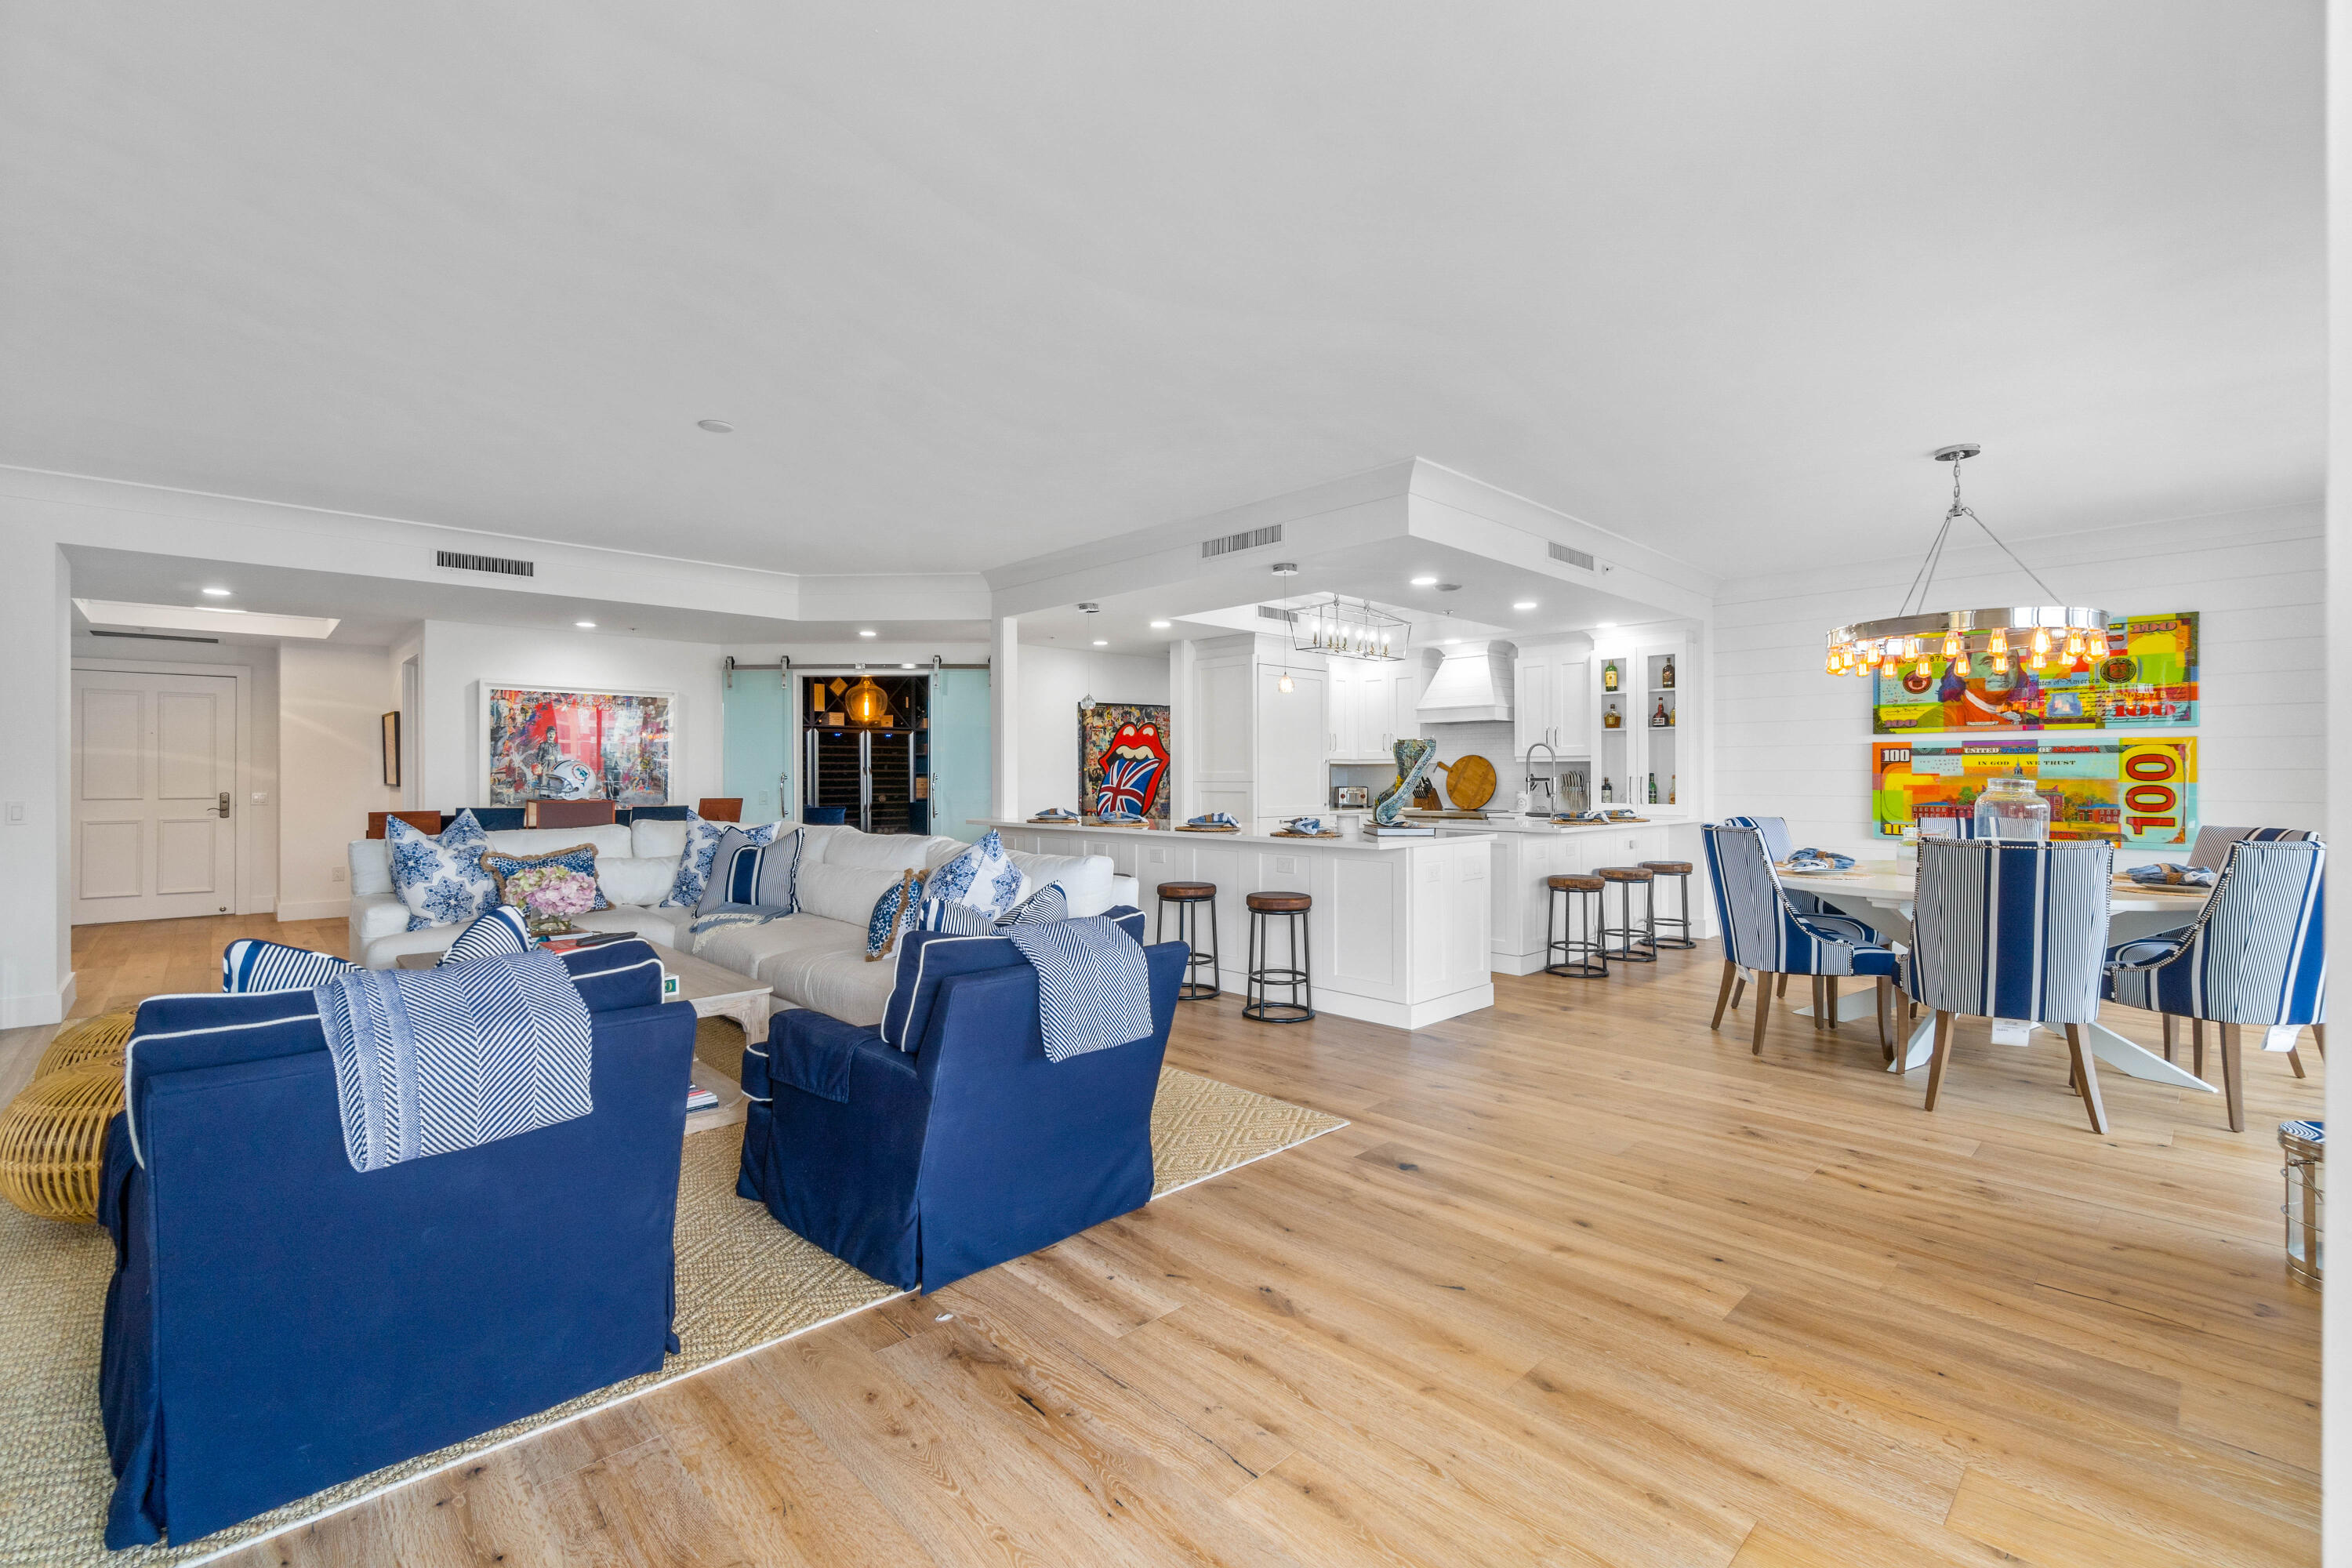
{"x":1000,"y":278}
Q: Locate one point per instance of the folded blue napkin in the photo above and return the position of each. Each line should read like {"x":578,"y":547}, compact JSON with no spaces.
{"x":1578,"y":817}
{"x":2165,"y":876}
{"x":1057,"y":813}
{"x":1214,"y":819}
{"x":1820,"y":858}
{"x":1304,"y":825}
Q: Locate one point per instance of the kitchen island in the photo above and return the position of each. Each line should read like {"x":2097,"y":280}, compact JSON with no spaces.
{"x":1400,"y":933}
{"x":1527,"y":850}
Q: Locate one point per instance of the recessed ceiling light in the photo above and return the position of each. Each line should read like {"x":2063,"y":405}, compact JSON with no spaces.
{"x":585,"y":626}
{"x":1160,"y":626}
{"x":715,"y":426}
{"x":1450,"y":641}
{"x":1524,"y":605}
{"x":906,"y":667}
{"x":864,"y":633}
{"x":1424,"y":582}
{"x":1102,"y":642}
{"x":216,"y":592}
{"x":1604,"y":625}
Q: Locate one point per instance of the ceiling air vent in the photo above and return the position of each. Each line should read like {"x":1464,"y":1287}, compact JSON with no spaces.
{"x":148,"y":636}
{"x":1248,"y":539}
{"x":1573,"y":557}
{"x":1276,"y":612}
{"x":497,"y":563}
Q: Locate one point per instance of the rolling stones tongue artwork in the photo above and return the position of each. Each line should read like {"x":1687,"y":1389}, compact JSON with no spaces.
{"x":1123,"y":760}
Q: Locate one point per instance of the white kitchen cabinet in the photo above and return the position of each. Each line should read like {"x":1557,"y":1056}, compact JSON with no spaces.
{"x":1639,"y":749}
{"x":1372,"y":703}
{"x":1293,"y":731}
{"x":1551,"y":703}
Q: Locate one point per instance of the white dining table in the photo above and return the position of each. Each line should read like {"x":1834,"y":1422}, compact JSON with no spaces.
{"x":1879,"y":893}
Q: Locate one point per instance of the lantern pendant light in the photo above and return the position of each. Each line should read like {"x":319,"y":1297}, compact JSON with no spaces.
{"x":1874,"y":648}
{"x":867,"y":706}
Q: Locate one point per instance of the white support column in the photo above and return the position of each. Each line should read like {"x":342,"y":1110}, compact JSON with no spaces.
{"x":1005,"y":717}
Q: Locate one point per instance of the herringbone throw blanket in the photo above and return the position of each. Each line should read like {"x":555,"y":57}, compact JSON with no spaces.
{"x":1093,"y":991}
{"x":429,"y":1061}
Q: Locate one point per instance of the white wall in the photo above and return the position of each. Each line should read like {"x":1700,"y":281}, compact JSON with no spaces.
{"x":1051,"y":681}
{"x":455,"y":658}
{"x":330,"y":705}
{"x":1792,"y":741}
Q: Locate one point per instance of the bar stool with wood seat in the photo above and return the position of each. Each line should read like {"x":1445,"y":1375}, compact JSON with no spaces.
{"x":1625,"y":879}
{"x":1189,"y":898}
{"x":1680,"y":871}
{"x":1581,"y":956}
{"x":1263,"y":907}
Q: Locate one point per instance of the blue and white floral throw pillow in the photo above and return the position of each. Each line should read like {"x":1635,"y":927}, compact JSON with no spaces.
{"x":440,"y":878}
{"x":982,"y":878}
{"x":898,"y":911}
{"x":701,"y":848}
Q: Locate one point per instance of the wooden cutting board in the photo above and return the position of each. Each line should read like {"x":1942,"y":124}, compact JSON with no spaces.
{"x":1469,"y":781}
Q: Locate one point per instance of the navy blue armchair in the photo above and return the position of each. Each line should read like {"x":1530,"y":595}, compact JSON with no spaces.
{"x":923,"y":1166}
{"x":278,"y":1322}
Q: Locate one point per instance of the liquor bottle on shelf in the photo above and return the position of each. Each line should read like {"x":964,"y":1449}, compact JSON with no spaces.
{"x":1653,"y":789}
{"x":1607,"y":795}
{"x":1612,"y":718}
{"x":1661,"y":719}
{"x":1670,"y":788}
{"x":1666,"y":676}
{"x":1608,"y":675}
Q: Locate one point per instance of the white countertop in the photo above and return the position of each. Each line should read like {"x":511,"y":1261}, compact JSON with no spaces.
{"x":1345,"y":841}
{"x":1542,"y":824}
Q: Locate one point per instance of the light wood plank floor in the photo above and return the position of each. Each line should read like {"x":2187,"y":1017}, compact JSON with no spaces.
{"x":1583,"y":1284}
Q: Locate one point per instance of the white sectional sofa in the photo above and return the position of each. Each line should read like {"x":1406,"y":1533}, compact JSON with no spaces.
{"x":815,"y":958}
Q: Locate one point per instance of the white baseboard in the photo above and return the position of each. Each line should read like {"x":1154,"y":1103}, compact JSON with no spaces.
{"x":315,"y":910}
{"x":30,"y":1009}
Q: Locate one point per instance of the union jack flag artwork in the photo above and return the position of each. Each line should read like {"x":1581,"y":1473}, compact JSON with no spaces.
{"x":1128,"y":784}
{"x":1123,"y":760}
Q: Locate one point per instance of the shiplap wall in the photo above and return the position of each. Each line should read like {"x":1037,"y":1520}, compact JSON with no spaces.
{"x":1792,"y":741}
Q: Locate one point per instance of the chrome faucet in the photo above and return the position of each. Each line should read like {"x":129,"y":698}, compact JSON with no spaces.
{"x":1548,"y":782}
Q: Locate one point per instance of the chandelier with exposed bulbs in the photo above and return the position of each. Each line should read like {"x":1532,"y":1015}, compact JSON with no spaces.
{"x":2049,"y":640}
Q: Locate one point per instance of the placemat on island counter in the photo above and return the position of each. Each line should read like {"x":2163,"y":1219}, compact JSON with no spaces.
{"x":1206,"y":827}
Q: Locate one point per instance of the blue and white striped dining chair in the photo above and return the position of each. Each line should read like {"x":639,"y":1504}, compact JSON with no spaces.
{"x":2255,"y":954}
{"x":1763,"y":932}
{"x":2003,"y":930}
{"x":1778,"y":848}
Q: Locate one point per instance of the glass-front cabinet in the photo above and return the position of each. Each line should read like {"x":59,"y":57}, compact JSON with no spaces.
{"x":1644,"y":753}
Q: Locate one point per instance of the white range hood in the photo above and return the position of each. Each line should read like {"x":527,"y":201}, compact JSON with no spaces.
{"x":1472,"y":687}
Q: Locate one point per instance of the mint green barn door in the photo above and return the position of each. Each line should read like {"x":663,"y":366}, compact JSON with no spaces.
{"x":960,"y":753}
{"x":758,"y":761}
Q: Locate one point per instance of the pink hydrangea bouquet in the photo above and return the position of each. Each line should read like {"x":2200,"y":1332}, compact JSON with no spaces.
{"x":552,"y":896}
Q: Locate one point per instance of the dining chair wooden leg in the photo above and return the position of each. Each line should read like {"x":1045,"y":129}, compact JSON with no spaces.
{"x":2294,"y":1060}
{"x":2319,"y":1039}
{"x":2234,"y":1081}
{"x":1817,"y":1004}
{"x":1738,"y":989}
{"x":1723,"y":995}
{"x":1885,"y":1000}
{"x":1781,"y":991}
{"x":2197,"y":1046}
{"x":2171,"y":1034}
{"x":1830,"y":1004}
{"x":2086,"y":1078}
{"x":1764,"y":989}
{"x":1943,"y":1054}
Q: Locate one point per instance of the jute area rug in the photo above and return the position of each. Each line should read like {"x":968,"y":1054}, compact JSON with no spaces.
{"x":743,"y":1281}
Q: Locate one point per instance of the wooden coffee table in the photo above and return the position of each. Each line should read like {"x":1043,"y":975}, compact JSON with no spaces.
{"x":714,"y":993}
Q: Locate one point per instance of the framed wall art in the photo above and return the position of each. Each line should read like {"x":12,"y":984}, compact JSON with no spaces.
{"x":2143,"y":678}
{"x":554,"y":743}
{"x":1123,"y":760}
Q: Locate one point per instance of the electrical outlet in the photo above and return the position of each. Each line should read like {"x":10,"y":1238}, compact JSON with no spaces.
{"x":339,"y":874}
{"x":15,"y":813}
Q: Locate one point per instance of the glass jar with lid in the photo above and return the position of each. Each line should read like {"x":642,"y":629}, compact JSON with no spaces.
{"x":2009,"y":808}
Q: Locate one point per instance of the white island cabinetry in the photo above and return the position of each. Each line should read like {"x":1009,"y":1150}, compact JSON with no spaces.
{"x":1526,"y":851}
{"x":1400,"y":933}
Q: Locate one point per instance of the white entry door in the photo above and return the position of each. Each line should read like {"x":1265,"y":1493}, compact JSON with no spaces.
{"x":154,"y":809}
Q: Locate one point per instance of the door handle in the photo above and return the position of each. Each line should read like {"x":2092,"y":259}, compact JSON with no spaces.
{"x":224,"y":805}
